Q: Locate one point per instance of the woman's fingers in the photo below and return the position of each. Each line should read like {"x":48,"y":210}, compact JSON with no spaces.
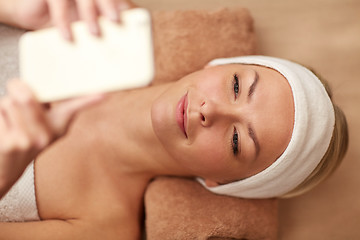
{"x":27,"y":116}
{"x":89,"y":13}
{"x":60,"y":15}
{"x":63,"y":12}
{"x":108,"y":8}
{"x":23,"y":115}
{"x":61,"y":115}
{"x":125,"y":4}
{"x":21,"y":127}
{"x":91,"y":9}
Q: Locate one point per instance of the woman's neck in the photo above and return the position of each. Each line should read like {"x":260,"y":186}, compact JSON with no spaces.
{"x":130,"y":137}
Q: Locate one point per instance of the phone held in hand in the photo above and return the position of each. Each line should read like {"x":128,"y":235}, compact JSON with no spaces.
{"x":121,"y":58}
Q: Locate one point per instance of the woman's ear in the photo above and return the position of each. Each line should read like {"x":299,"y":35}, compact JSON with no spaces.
{"x":211,"y":183}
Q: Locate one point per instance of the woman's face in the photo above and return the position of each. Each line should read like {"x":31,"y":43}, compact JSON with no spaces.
{"x":225,"y":123}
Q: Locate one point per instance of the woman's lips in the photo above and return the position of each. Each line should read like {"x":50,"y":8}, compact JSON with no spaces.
{"x":185,"y":115}
{"x":181,"y":113}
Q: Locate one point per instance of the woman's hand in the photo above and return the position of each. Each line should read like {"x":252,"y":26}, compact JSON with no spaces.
{"x":27,"y":127}
{"x":35,"y":14}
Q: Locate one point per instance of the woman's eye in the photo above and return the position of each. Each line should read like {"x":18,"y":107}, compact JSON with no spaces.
{"x":235,"y":142}
{"x":236,"y":85}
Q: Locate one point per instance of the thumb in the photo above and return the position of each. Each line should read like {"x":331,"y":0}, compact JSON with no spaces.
{"x":61,"y":115}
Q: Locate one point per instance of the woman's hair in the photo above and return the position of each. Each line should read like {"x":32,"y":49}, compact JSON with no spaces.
{"x":333,"y":156}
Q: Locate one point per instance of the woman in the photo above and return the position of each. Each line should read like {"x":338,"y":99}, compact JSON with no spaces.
{"x":236,"y":119}
{"x":224,"y":123}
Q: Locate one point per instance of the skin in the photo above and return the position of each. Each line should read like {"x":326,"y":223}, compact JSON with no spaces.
{"x":90,"y":184}
{"x":36,"y":14}
{"x":214,"y":111}
{"x":27,"y":127}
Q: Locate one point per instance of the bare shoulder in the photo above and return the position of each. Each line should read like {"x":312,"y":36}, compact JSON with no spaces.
{"x":78,"y":191}
{"x":76,"y":180}
{"x":67,"y":173}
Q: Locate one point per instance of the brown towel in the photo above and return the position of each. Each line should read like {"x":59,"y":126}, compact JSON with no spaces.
{"x":185,"y":41}
{"x":179,"y":208}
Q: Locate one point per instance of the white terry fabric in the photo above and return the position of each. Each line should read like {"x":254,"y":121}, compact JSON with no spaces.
{"x":312,"y":132}
{"x":19,"y":204}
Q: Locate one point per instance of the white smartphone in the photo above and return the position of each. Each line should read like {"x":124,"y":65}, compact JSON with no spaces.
{"x":121,"y":58}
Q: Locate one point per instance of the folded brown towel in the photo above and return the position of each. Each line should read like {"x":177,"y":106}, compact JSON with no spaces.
{"x":185,"y":41}
{"x":179,"y":208}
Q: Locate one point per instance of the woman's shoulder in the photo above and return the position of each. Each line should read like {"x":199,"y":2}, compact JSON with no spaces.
{"x":78,"y":183}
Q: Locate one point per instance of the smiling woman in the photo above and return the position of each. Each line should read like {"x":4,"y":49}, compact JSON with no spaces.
{"x":228,"y":112}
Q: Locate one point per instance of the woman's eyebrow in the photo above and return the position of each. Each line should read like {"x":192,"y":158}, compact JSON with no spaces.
{"x":254,"y":138}
{"x":253,"y":85}
{"x":251,"y":131}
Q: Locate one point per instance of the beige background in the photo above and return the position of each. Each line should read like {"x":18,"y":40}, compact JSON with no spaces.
{"x":324,"y":34}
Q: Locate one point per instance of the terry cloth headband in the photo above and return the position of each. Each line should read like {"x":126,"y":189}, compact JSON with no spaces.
{"x":312,"y":132}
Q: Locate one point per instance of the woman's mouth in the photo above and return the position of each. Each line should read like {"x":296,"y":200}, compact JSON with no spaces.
{"x":181,"y":114}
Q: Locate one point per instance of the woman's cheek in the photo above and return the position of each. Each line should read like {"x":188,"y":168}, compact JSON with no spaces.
{"x":211,"y":154}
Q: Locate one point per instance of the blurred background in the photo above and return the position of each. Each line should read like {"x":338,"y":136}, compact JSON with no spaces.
{"x":323,"y":34}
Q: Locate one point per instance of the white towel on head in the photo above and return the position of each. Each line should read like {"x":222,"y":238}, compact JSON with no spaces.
{"x":312,"y":132}
{"x":19,"y":204}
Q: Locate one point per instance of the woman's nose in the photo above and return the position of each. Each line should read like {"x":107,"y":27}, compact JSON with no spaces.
{"x":212,"y":112}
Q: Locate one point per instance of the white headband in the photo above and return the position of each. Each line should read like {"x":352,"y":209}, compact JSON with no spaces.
{"x":312,"y":132}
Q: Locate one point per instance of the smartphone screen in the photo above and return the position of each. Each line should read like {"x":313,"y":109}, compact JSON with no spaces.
{"x":121,"y":58}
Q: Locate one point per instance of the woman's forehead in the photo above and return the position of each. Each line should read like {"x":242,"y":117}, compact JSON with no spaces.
{"x":274,"y":118}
